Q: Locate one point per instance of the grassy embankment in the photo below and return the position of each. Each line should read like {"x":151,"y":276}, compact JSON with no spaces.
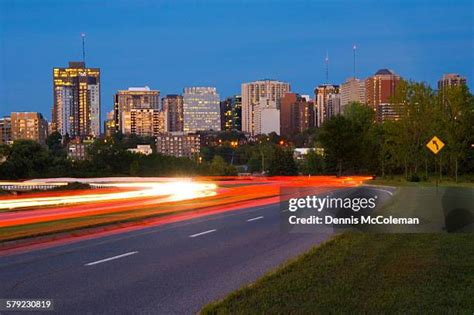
{"x":377,"y":273}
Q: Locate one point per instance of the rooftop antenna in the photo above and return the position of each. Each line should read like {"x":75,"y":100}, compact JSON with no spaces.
{"x":354,"y":48}
{"x":326,"y":60}
{"x":83,"y":36}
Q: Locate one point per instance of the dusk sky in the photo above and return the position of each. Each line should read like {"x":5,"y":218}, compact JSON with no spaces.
{"x":168,"y":45}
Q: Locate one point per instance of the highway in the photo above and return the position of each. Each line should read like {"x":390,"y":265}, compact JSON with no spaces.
{"x":174,"y":268}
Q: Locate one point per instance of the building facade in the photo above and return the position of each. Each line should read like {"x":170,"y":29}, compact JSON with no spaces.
{"x":231,"y":113}
{"x":252,"y":92}
{"x":353,"y":90}
{"x":322,"y":94}
{"x":296,"y":114}
{"x":201,"y":109}
{"x":178,"y":144}
{"x":450,"y":80}
{"x":29,"y":126}
{"x":134,"y":98}
{"x":76,"y":107}
{"x":173,"y":108}
{"x":5,"y":130}
{"x":381,"y":87}
{"x":143,"y":122}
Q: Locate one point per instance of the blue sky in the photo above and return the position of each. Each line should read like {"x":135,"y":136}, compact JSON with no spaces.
{"x":172,"y":44}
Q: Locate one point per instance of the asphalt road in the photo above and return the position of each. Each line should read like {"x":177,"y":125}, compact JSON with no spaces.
{"x":170,"y":269}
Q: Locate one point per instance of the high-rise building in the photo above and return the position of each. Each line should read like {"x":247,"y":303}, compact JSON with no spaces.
{"x":231,"y":113}
{"x":76,"y":108}
{"x":143,"y":122}
{"x":353,"y":90}
{"x":333,"y":106}
{"x":173,"y":108}
{"x":296,"y":114}
{"x":5,"y":130}
{"x":322,"y":94}
{"x":451,"y":79}
{"x":178,"y":144}
{"x":201,"y":109}
{"x":252,"y":92}
{"x":266,"y":117}
{"x":379,"y":91}
{"x":134,"y":98}
{"x":109,"y":124}
{"x":29,"y":126}
{"x":380,"y":88}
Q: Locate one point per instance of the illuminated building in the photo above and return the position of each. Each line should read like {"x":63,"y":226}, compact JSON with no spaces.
{"x":231,"y":113}
{"x":451,"y":79}
{"x":134,"y":98}
{"x":143,"y":122}
{"x":322,"y":94}
{"x":29,"y":126}
{"x":381,"y":87}
{"x":353,"y":90}
{"x":173,"y":108}
{"x":201,"y":110}
{"x":77,"y":151}
{"x":5,"y":130}
{"x":266,"y":117}
{"x":178,"y":144}
{"x":144,"y":149}
{"x":252,"y":92}
{"x":379,"y":91}
{"x":76,"y":108}
{"x":109,"y":124}
{"x":296,"y":114}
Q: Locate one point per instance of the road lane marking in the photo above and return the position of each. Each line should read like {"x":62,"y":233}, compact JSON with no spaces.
{"x":256,"y":218}
{"x":202,"y":233}
{"x":110,"y":258}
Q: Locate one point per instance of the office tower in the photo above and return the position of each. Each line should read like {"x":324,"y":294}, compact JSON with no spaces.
{"x":201,"y":109}
{"x":29,"y":126}
{"x":379,"y":91}
{"x":5,"y":130}
{"x":231,"y":113}
{"x":380,"y":88}
{"x":76,"y":108}
{"x":109,"y":124}
{"x":296,"y":114}
{"x":451,"y":79}
{"x":252,"y":92}
{"x":266,"y":117}
{"x":333,"y":105}
{"x":143,"y":122}
{"x":321,"y":95}
{"x":134,"y":98}
{"x":178,"y":144}
{"x":173,"y":108}
{"x":353,"y":90}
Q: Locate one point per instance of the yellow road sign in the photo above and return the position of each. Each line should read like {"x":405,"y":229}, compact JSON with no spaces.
{"x":435,"y":145}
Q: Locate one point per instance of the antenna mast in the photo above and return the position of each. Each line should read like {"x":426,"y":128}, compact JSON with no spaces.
{"x":354,"y":48}
{"x":83,"y":36}
{"x":327,"y":67}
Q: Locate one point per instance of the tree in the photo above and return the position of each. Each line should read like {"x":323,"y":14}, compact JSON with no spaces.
{"x":282,"y":163}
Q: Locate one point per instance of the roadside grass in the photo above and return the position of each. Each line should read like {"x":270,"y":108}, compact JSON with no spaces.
{"x":366,"y":273}
{"x":465,"y":181}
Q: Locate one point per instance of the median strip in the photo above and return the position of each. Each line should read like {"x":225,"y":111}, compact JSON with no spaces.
{"x":202,"y":233}
{"x":110,"y":258}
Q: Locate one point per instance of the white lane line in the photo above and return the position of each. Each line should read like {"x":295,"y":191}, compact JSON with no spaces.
{"x":110,"y":258}
{"x":202,"y":233}
{"x":256,"y":218}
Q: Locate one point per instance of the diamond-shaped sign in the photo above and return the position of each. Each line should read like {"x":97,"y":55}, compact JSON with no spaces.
{"x":435,"y":145}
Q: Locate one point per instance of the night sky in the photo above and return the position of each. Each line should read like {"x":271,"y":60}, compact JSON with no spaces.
{"x":172,"y":44}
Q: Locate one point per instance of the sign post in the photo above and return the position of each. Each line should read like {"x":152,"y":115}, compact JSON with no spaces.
{"x":435,"y":145}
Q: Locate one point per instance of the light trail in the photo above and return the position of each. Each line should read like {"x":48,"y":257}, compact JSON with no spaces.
{"x":169,"y":191}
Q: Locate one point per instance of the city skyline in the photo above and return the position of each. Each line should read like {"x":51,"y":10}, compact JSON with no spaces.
{"x":405,"y":46}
